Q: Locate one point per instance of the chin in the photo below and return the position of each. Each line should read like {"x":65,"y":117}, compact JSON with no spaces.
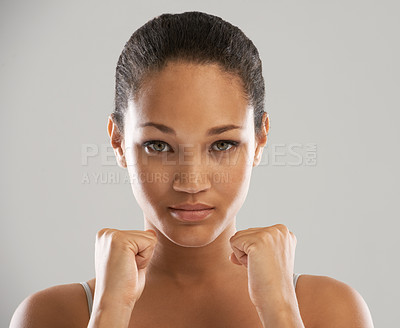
{"x":191,"y":236}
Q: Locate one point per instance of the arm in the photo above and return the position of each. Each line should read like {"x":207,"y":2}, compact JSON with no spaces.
{"x":66,"y":306}
{"x":281,"y":312}
{"x":333,"y":304}
{"x":342,"y":306}
{"x":35,"y":311}
{"x":45,"y":310}
{"x":111,"y":315}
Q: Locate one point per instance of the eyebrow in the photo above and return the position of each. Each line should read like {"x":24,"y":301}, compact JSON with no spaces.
{"x":210,"y":132}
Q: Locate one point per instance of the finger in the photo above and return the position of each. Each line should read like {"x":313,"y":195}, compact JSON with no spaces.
{"x":152,"y":231}
{"x":144,"y":256}
{"x":240,"y":255}
{"x":233,"y":259}
{"x":139,"y":244}
{"x":293,"y":238}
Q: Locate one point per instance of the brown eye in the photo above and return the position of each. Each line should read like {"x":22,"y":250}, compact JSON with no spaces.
{"x":224,"y":145}
{"x":159,"y":146}
{"x":156,"y":145}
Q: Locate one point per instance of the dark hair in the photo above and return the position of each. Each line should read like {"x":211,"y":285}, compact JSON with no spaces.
{"x":193,"y":37}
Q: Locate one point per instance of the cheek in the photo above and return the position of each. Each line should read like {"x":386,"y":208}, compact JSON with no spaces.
{"x":148,"y":177}
{"x":235,"y":176}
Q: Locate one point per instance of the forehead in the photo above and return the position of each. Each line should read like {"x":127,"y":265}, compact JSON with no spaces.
{"x":185,"y":96}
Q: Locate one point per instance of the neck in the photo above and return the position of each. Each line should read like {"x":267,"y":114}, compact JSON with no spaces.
{"x":192,"y":265}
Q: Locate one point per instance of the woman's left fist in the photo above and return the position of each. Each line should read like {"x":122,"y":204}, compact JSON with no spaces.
{"x":268,"y":254}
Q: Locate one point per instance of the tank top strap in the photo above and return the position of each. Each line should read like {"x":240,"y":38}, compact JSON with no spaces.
{"x":89,"y":296}
{"x":295,"y":277}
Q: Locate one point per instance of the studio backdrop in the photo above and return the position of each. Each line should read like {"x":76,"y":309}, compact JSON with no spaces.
{"x":329,"y":171}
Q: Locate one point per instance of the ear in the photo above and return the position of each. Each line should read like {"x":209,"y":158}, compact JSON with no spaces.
{"x":117,"y":141}
{"x":261,"y":139}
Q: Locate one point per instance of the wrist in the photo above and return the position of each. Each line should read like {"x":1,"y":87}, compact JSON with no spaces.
{"x":113,"y":300}
{"x":106,"y":314}
{"x":281,"y":316}
{"x":277,"y":299}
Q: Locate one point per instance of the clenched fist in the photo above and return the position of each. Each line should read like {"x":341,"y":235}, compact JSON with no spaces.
{"x":268,"y":254}
{"x":121,"y":259}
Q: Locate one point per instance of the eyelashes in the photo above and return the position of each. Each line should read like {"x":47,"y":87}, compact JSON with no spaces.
{"x":155,"y":145}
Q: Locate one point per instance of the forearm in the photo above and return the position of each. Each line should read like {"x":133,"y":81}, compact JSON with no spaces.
{"x":285,"y":318}
{"x":110,"y":316}
{"x":281,"y":314}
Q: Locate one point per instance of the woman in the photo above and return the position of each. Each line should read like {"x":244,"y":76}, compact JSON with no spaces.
{"x":189,"y":125}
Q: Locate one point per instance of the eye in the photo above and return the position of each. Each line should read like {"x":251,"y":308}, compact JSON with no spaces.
{"x":161,"y":146}
{"x":225,"y":144}
{"x":158,"y":145}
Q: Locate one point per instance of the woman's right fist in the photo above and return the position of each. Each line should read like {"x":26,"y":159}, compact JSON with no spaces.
{"x":121,"y":259}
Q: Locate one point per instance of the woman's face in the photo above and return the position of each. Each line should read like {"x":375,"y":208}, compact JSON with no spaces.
{"x":190,"y":159}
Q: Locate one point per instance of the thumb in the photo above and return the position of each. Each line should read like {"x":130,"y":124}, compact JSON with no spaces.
{"x":234,"y":259}
{"x":149,"y":230}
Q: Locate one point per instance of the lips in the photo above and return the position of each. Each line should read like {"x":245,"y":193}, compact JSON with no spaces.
{"x":191,"y":215}
{"x":192,"y":207}
{"x":191,"y":212}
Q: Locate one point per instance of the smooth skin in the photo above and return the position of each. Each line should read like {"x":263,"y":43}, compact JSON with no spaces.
{"x":203,"y":274}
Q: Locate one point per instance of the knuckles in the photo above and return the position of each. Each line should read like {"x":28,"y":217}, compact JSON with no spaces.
{"x":115,"y":236}
{"x":282,"y":228}
{"x":106,"y":232}
{"x":109,"y":235}
{"x":101,"y":233}
{"x":266,"y":234}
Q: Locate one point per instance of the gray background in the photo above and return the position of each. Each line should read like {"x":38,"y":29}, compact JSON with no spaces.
{"x":331,"y":70}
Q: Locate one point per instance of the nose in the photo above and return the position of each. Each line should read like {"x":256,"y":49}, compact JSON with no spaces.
{"x":192,"y":174}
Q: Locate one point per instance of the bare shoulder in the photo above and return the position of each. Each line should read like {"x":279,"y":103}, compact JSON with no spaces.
{"x":329,"y":302}
{"x":57,"y":306}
